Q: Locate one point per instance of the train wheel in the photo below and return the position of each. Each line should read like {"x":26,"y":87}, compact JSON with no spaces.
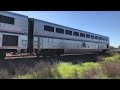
{"x":37,"y":54}
{"x":44,"y":53}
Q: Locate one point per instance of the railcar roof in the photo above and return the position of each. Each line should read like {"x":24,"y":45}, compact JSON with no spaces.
{"x":14,"y":14}
{"x":71,"y":28}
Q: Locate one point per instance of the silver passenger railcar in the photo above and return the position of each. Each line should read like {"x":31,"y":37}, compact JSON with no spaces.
{"x":21,"y":34}
{"x":13,"y":32}
{"x":54,"y":39}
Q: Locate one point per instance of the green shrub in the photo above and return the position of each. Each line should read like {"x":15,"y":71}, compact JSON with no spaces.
{"x":113,"y":58}
{"x":70,"y":71}
{"x":85,"y":67}
{"x":64,"y":71}
{"x":27,"y":76}
{"x":107,"y":69}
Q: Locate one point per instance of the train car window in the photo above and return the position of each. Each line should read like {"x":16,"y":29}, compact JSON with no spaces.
{"x":103,"y":39}
{"x":48,"y":28}
{"x":107,"y":46}
{"x":68,"y":32}
{"x":87,"y":36}
{"x":6,"y":19}
{"x":92,"y":36}
{"x":76,"y":33}
{"x":59,"y":30}
{"x":96,"y":37}
{"x":10,"y":40}
{"x":106,"y":39}
{"x":100,"y":38}
{"x":82,"y":35}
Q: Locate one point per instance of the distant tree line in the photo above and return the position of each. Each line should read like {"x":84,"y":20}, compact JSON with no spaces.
{"x":112,"y":47}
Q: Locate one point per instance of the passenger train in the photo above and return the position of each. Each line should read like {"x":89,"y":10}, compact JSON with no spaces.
{"x":21,"y":34}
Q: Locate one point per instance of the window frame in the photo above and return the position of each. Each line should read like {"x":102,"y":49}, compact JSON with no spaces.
{"x":7,"y":19}
{"x":92,"y":37}
{"x":87,"y":35}
{"x":57,"y":29}
{"x":96,"y":38}
{"x":67,"y":32}
{"x":100,"y":38}
{"x":47,"y":26}
{"x":82,"y":34}
{"x":75,"y":34}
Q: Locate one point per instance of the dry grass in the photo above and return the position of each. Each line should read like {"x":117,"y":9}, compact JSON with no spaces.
{"x":42,"y":70}
{"x":112,"y":69}
{"x":94,"y":74}
{"x":4,"y":74}
{"x":105,"y":68}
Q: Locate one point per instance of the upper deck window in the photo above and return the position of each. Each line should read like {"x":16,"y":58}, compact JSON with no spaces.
{"x":103,"y":39}
{"x":59,"y":30}
{"x":96,"y":37}
{"x":92,"y":36}
{"x":87,"y":36}
{"x":106,"y":39}
{"x":76,"y":33}
{"x":100,"y":38}
{"x":82,"y":35}
{"x":48,"y":28}
{"x":68,"y":32}
{"x":6,"y":19}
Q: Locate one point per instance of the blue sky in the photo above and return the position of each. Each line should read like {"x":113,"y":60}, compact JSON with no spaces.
{"x":106,"y":23}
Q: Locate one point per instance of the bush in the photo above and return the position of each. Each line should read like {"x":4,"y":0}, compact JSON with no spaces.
{"x":108,"y":68}
{"x":63,"y":70}
{"x":88,"y":67}
{"x":70,"y":71}
{"x":113,"y":58}
{"x":94,"y":74}
{"x":27,"y":76}
{"x":4,"y":74}
{"x":111,"y":69}
{"x":41,"y":70}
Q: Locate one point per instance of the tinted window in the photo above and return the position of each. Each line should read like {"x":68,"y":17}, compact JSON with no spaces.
{"x":59,"y":30}
{"x":48,"y":28}
{"x":10,"y":40}
{"x":92,"y":36}
{"x":6,"y":19}
{"x":96,"y":37}
{"x":76,"y":33}
{"x":87,"y":36}
{"x":100,"y":38}
{"x":68,"y":32}
{"x":104,"y":39}
{"x":82,"y":34}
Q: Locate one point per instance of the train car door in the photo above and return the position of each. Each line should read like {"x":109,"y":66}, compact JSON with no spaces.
{"x":38,"y":42}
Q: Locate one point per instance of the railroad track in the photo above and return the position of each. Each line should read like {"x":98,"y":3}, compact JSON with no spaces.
{"x":33,"y":56}
{"x":74,"y":58}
